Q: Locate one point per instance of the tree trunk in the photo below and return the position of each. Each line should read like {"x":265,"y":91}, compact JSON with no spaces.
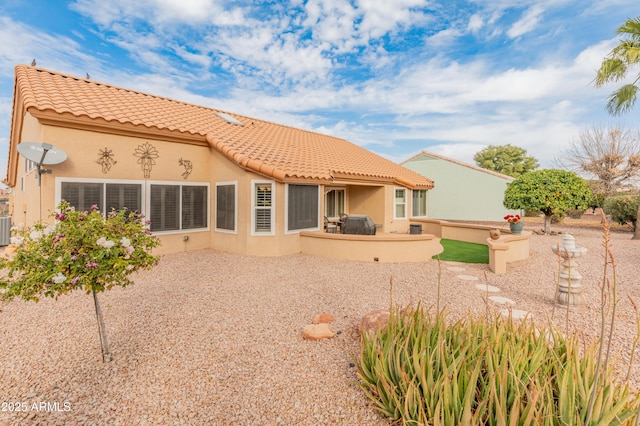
{"x":547,"y":224}
{"x":104,"y":343}
{"x":636,"y":233}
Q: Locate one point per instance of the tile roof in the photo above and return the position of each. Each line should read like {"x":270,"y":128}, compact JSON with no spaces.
{"x":281,"y":152}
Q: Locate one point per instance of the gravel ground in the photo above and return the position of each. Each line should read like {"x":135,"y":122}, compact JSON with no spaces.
{"x":214,"y":338}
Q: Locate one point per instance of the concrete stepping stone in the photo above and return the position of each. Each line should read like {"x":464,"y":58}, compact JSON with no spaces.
{"x":501,"y":300}
{"x":489,"y":288}
{"x":467,"y":277}
{"x":515,"y":313}
{"x":455,"y":268}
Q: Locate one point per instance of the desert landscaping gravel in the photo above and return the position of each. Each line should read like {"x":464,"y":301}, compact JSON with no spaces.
{"x":210,"y":338}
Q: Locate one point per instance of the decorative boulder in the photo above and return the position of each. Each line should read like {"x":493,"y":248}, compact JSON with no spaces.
{"x":374,"y":321}
{"x":317,"y":332}
{"x":323,"y":319}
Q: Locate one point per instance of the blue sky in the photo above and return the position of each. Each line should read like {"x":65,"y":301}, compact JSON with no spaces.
{"x":394,"y":76}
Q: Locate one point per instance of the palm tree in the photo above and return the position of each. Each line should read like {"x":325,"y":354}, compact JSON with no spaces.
{"x":616,"y":66}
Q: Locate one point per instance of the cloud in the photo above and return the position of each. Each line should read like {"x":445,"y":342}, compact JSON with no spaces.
{"x":380,"y":17}
{"x":475,"y":23}
{"x":22,"y":43}
{"x":527,"y":22}
{"x":160,"y":13}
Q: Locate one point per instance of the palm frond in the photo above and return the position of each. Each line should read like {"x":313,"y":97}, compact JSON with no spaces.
{"x":622,"y":100}
{"x":612,"y":69}
{"x":631,"y":27}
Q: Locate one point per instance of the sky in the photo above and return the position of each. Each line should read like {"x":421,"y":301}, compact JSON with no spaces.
{"x":394,"y":76}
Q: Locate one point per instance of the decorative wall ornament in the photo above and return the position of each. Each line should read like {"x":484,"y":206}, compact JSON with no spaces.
{"x":188,"y":167}
{"x":105,"y":159}
{"x":147,"y":155}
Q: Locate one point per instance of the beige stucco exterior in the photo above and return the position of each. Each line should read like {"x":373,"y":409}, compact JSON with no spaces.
{"x":84,"y":145}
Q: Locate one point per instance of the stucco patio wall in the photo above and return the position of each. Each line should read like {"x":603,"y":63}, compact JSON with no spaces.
{"x":468,"y":232}
{"x":508,"y":248}
{"x":385,"y":248}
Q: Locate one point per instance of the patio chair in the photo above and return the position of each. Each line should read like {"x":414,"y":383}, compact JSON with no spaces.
{"x":330,"y":228}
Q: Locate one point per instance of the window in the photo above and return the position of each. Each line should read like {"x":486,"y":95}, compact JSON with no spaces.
{"x":194,"y":207}
{"x":29,"y":165}
{"x":302,"y":207}
{"x":226,"y":206}
{"x":169,"y":207}
{"x":120,"y":196}
{"x":419,"y":203}
{"x":107,"y":196}
{"x":164,"y":207}
{"x":334,"y":203}
{"x":178,"y":207}
{"x":400,"y":204}
{"x":262,"y":203}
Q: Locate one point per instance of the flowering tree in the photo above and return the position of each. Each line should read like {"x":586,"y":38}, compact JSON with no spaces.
{"x":81,"y":250}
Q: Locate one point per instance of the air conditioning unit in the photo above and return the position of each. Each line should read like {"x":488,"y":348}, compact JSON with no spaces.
{"x":5,"y":230}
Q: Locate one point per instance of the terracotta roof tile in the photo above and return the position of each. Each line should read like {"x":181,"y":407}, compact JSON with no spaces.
{"x":282,"y":152}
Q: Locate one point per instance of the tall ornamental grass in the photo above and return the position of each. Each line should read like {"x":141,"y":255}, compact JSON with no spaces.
{"x":421,"y":370}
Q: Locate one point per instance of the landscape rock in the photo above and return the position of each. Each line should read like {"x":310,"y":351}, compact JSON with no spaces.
{"x":317,"y":332}
{"x":374,"y":321}
{"x":323,"y":319}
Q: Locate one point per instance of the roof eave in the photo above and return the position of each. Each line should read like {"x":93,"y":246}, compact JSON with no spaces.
{"x":68,"y":120}
{"x":17,"y":118}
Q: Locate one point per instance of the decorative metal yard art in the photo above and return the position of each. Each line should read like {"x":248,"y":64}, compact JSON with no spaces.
{"x":188,"y":167}
{"x":147,"y":155}
{"x":569,"y":293}
{"x":105,"y":159}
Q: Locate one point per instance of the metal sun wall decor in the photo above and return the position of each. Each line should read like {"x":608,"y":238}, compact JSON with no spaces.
{"x":147,"y":155}
{"x":105,"y":159}
{"x":188,"y":167}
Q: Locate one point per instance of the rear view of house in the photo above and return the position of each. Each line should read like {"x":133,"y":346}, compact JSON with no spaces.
{"x":203,"y":177}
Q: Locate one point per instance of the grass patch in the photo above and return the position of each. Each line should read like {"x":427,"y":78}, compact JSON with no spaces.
{"x":462,"y":251}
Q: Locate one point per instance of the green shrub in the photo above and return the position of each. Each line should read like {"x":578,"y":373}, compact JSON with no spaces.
{"x":623,"y":209}
{"x":557,"y":217}
{"x":575,"y":213}
{"x":422,"y":371}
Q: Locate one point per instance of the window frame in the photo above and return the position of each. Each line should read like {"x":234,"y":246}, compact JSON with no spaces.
{"x":344,"y":201}
{"x":104,"y":182}
{"x":235,"y":207}
{"x":286,"y":210}
{"x":396,"y":204}
{"x":254,"y":207}
{"x":145,"y":195}
{"x":180,"y":230}
{"x":413,"y":206}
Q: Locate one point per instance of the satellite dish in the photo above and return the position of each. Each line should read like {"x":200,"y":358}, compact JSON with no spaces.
{"x":42,"y":153}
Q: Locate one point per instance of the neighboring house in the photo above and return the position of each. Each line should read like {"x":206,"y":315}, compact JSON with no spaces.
{"x":462,"y":191}
{"x":204,"y":178}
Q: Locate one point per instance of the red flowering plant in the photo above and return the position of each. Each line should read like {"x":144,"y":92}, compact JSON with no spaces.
{"x":513,"y":218}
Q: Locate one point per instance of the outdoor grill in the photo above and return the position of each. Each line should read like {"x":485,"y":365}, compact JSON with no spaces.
{"x":360,"y":224}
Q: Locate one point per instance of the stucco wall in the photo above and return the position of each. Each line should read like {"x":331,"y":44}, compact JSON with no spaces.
{"x":85,"y":147}
{"x":461,"y":192}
